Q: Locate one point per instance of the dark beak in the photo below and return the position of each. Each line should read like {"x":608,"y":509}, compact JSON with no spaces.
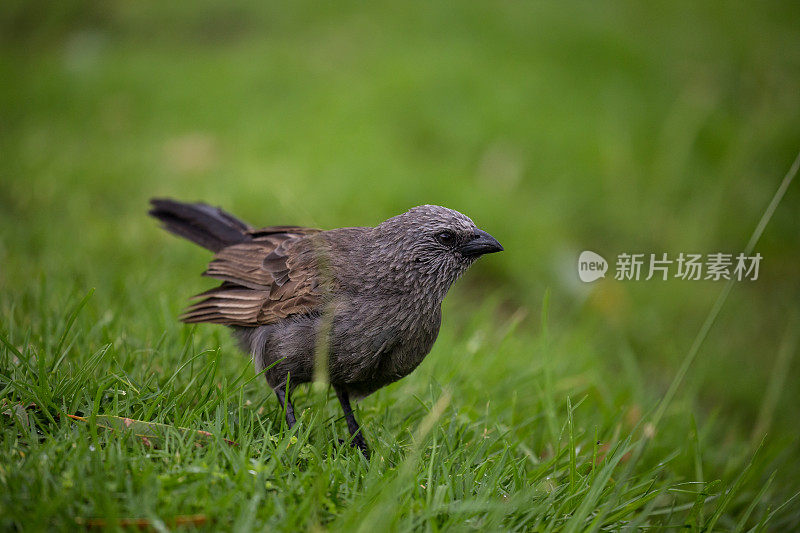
{"x":481,"y":243}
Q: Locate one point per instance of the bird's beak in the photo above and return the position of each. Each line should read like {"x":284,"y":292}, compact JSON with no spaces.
{"x":481,"y":243}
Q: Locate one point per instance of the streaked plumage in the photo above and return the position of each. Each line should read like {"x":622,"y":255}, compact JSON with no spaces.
{"x":371,"y":295}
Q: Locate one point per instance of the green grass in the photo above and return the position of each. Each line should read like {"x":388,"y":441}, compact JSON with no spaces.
{"x":663,"y":127}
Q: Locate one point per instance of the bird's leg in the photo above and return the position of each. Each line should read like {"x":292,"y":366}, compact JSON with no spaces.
{"x":358,"y":437}
{"x":286,"y":403}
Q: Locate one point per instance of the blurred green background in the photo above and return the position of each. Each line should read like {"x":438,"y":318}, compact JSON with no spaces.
{"x":558,"y":127}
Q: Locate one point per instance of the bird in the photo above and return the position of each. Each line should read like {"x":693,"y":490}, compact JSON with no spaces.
{"x":368,"y":298}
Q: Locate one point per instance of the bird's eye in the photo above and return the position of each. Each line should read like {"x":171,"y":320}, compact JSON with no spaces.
{"x":445,"y":237}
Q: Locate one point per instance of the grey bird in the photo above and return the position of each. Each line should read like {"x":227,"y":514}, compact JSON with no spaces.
{"x":369,"y":296}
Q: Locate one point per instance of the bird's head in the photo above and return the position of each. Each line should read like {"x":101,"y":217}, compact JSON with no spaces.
{"x":432,"y":245}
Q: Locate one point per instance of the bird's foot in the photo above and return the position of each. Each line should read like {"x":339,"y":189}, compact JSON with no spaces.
{"x":358,"y":442}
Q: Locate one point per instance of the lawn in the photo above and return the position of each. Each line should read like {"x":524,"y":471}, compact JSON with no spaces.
{"x":547,"y":404}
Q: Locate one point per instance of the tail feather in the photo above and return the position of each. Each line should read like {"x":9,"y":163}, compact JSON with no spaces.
{"x":210,"y":227}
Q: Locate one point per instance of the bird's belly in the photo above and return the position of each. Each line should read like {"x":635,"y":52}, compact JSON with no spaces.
{"x":391,"y":364}
{"x":401,"y":361}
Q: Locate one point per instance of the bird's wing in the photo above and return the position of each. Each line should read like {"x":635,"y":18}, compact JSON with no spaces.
{"x":268,"y":278}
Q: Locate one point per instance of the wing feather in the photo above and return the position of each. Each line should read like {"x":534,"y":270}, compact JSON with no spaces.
{"x":272,"y":276}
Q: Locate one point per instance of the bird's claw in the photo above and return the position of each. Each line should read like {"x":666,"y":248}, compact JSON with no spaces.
{"x":358,"y":442}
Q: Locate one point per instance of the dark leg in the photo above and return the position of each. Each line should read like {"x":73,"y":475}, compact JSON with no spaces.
{"x":358,"y":437}
{"x":286,"y":403}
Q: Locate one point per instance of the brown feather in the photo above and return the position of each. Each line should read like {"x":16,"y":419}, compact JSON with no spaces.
{"x":273,"y":276}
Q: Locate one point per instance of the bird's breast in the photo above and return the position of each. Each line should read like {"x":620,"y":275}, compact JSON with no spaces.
{"x":381,"y":341}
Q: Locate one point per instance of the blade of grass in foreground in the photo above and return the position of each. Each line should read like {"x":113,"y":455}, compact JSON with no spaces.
{"x":67,"y":327}
{"x":709,"y":526}
{"x":712,"y":315}
{"x":755,"y":501}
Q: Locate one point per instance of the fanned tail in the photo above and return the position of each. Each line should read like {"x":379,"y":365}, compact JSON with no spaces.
{"x":208,"y":226}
